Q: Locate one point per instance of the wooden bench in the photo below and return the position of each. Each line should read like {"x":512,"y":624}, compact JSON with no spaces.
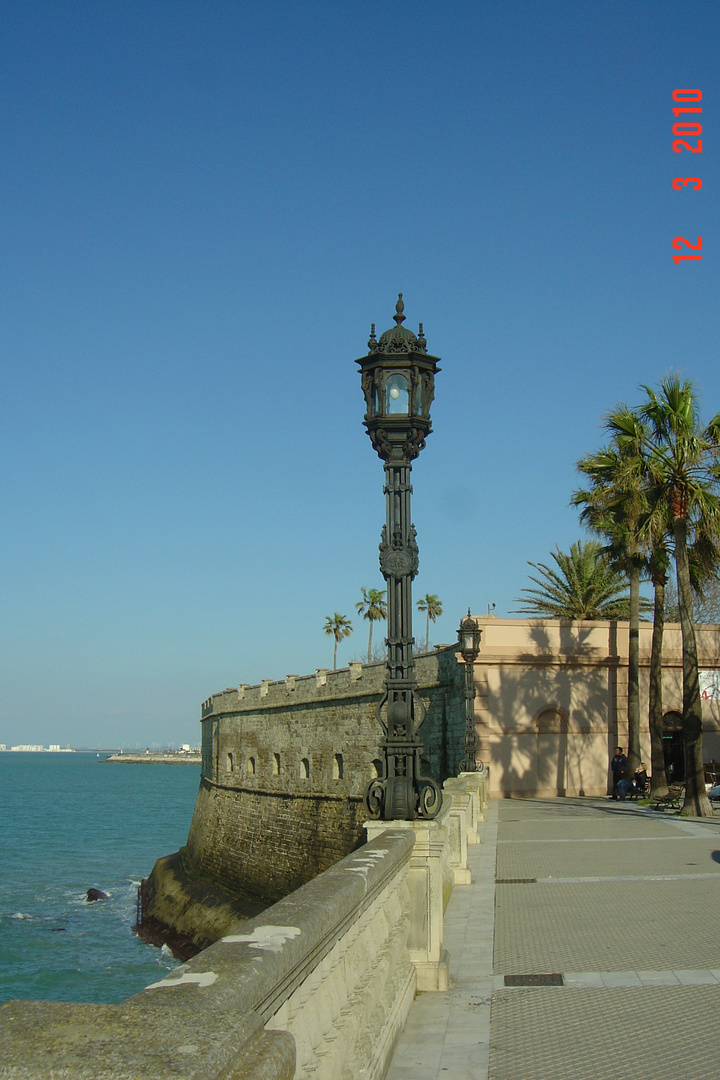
{"x":644,"y":794}
{"x":674,"y":797}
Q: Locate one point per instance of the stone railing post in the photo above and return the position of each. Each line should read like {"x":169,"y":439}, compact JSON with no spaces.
{"x":459,"y":828}
{"x":429,"y":882}
{"x":475,"y":784}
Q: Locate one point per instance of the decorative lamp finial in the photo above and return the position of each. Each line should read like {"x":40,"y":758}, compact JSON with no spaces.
{"x":372,"y":343}
{"x":399,"y":308}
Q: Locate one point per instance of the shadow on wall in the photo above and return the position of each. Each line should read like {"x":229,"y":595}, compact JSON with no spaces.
{"x":557,"y":719}
{"x":445,"y":740}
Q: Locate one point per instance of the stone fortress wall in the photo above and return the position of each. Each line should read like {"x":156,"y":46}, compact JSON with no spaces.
{"x":286,"y":764}
{"x":285,"y":767}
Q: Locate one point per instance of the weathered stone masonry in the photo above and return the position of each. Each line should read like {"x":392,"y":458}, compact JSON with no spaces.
{"x":285,"y":767}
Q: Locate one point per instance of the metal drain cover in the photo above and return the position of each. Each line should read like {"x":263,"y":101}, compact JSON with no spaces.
{"x":534,"y":980}
{"x":516,"y":881}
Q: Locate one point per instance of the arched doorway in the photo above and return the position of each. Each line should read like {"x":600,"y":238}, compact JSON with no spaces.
{"x":673,"y":748}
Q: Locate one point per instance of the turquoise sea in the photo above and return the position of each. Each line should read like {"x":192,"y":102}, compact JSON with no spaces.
{"x":70,"y":822}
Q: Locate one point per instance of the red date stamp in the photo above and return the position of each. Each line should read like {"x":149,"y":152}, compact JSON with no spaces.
{"x":688,"y":103}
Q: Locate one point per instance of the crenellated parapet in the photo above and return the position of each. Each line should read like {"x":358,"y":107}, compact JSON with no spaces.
{"x":324,"y":685}
{"x":318,"y":734}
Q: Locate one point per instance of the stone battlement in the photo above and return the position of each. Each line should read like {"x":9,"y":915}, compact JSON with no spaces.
{"x":355,"y":680}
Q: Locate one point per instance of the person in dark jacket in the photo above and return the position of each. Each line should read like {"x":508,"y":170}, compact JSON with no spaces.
{"x":619,"y":767}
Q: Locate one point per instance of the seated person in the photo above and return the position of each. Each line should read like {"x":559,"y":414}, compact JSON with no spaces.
{"x":640,"y":779}
{"x":624,"y":788}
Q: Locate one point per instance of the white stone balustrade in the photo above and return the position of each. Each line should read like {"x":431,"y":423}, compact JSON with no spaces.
{"x":318,"y":986}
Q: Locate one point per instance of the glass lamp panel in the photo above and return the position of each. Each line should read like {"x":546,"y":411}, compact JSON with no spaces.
{"x":469,"y":642}
{"x":396,"y":395}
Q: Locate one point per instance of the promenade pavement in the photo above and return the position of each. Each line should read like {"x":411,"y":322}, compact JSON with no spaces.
{"x":620,"y":905}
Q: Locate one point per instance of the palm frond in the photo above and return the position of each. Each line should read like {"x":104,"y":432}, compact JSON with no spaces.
{"x":585,"y":585}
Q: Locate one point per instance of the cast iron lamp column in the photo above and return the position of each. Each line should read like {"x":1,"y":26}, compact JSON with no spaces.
{"x":469,"y":640}
{"x":398,"y":381}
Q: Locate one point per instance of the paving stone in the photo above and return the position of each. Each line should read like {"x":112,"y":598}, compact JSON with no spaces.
{"x":693,"y":978}
{"x":606,"y":927}
{"x":619,"y":826}
{"x":562,"y":1034}
{"x":587,"y":858}
{"x":624,"y":908}
{"x":658,"y":978}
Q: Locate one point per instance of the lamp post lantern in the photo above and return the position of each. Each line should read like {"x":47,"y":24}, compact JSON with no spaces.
{"x":469,"y":635}
{"x":398,"y":381}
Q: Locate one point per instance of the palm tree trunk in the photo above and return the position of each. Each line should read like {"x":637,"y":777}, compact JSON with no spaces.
{"x":427,"y":631}
{"x":634,"y":674}
{"x":657,"y":759}
{"x":335,"y":655}
{"x":696,"y":803}
{"x":370,"y":641}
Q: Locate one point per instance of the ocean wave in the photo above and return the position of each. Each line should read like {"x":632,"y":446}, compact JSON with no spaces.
{"x":46,"y":888}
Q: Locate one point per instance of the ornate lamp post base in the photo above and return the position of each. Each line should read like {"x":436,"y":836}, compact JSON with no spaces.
{"x":402,"y":793}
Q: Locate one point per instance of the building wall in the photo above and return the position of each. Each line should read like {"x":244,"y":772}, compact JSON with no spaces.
{"x":552,"y":701}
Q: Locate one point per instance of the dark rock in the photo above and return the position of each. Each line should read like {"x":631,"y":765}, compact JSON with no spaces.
{"x":96,"y":894}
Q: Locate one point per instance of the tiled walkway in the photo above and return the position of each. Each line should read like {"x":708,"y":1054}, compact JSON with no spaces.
{"x":621,"y":906}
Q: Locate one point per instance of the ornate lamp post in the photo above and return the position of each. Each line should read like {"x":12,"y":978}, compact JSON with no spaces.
{"x":469,"y":636}
{"x":398,"y":381}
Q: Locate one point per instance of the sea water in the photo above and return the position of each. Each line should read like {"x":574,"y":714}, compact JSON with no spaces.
{"x":71,"y":822}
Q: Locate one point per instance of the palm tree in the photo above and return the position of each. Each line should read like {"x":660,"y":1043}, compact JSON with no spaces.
{"x":373,"y":608}
{"x":432,"y":606}
{"x":614,"y":508}
{"x":340,"y":627}
{"x":683,"y":462}
{"x":706,"y":596}
{"x":584,"y":586}
{"x":658,"y":569}
{"x":704,"y":559}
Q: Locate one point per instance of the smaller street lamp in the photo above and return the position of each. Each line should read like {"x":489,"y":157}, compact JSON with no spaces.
{"x":469,"y":635}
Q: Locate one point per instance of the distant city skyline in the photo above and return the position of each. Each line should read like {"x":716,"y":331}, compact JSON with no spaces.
{"x":206,"y":206}
{"x":55,"y":748}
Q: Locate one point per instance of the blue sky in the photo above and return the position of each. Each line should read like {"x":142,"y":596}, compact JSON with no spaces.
{"x":204,"y":207}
